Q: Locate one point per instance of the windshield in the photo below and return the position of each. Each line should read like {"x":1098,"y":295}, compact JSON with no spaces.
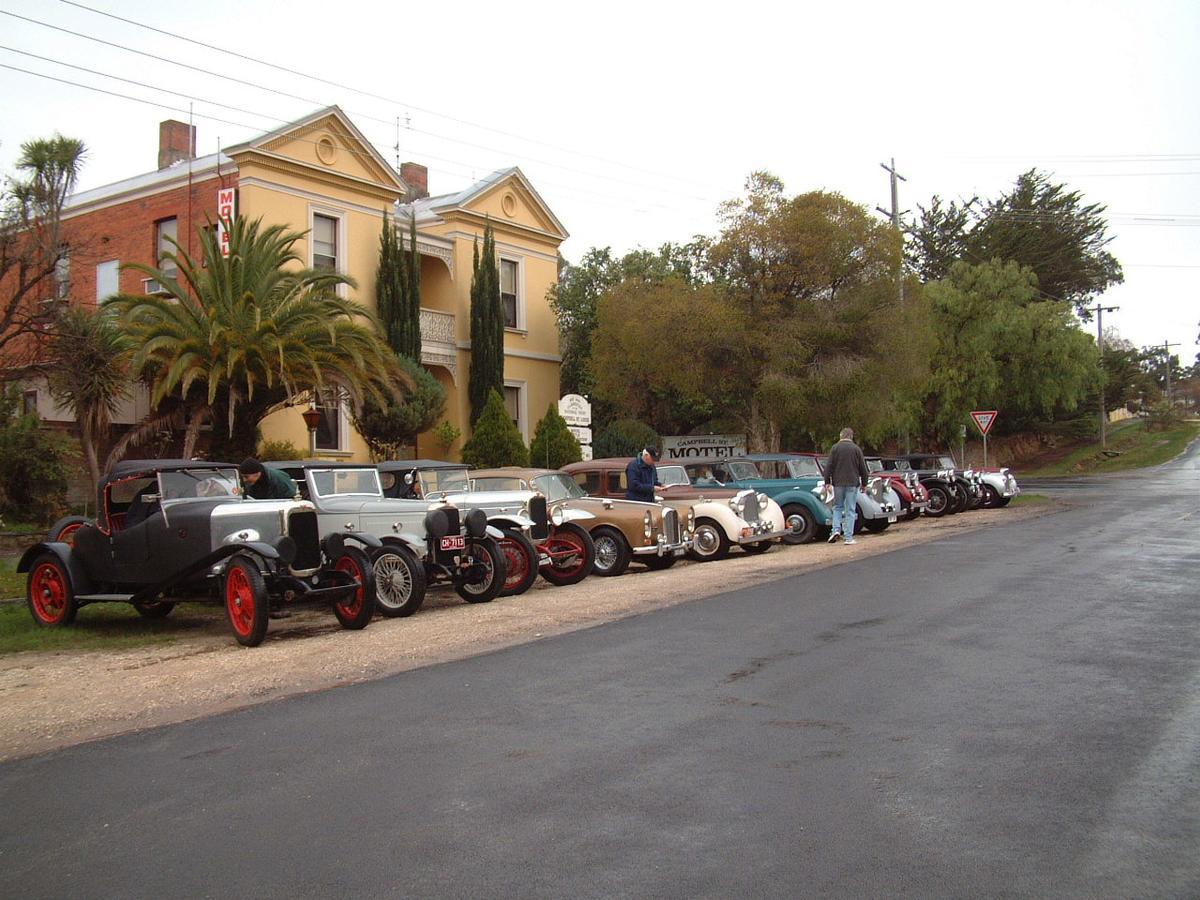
{"x":947,"y":462}
{"x":874,"y":465}
{"x":189,"y":484}
{"x":557,"y":486}
{"x":498,"y":483}
{"x":901,"y":465}
{"x":340,"y":482}
{"x":740,"y":471}
{"x":804,"y":467}
{"x":672,"y":475}
{"x":444,"y":481}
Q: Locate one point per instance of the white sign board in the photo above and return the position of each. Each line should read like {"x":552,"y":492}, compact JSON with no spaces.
{"x":226,"y":212}
{"x":583,"y":435}
{"x":575,"y":409}
{"x":703,"y":446}
{"x":585,"y":451}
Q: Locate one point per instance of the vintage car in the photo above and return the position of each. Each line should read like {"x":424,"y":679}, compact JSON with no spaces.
{"x":967,"y":485}
{"x":940,"y":485}
{"x":520,"y":520}
{"x":999,"y":487}
{"x":914,"y":499}
{"x":423,"y":543}
{"x":797,"y":487}
{"x":171,"y":530}
{"x":622,"y":530}
{"x":876,"y":506}
{"x":724,"y":517}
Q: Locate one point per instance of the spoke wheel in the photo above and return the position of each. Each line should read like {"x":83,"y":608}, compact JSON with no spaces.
{"x":356,"y":610}
{"x":246,"y":602}
{"x":572,"y":555}
{"x":520,"y":563}
{"x":612,"y":553}
{"x":487,"y":568}
{"x":49,"y":593}
{"x":63,"y":531}
{"x":399,"y":582}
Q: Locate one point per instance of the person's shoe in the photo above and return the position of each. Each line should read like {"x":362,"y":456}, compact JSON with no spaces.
{"x":834,"y":537}
{"x":850,"y":540}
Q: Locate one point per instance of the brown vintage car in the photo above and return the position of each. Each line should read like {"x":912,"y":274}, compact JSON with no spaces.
{"x":725,"y":517}
{"x":622,"y":530}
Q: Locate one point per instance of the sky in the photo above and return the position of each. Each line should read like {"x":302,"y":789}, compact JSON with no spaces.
{"x":634,"y":121}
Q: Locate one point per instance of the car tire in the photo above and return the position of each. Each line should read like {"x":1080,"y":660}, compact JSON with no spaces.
{"x":572,"y":555}
{"x":153,"y":609}
{"x":486,"y":553}
{"x":876,"y":526}
{"x":356,"y":613}
{"x":1003,"y":502}
{"x":960,"y":499}
{"x":399,"y":581}
{"x":708,"y":541}
{"x":991,"y":497}
{"x":246,"y":602}
{"x":658,"y":563}
{"x":757,"y":548}
{"x":49,"y":593}
{"x":808,"y":529}
{"x":520,"y":562}
{"x":63,"y":531}
{"x":612,"y":553}
{"x":940,"y":501}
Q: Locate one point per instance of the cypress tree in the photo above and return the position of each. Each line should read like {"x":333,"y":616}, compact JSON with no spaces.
{"x":487,"y":327}
{"x":409,"y":319}
{"x":389,"y":284}
{"x":553,"y":445}
{"x":496,"y":441}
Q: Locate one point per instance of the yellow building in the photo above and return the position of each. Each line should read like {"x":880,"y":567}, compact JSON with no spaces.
{"x":320,"y":174}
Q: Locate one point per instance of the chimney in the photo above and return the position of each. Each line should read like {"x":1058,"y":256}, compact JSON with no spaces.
{"x":416,"y":176}
{"x":176,"y":142}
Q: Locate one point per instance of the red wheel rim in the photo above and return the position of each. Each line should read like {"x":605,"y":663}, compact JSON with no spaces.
{"x":561,"y":546}
{"x":67,"y":535}
{"x":517,"y":563}
{"x":350,"y":567}
{"x":239,"y":600}
{"x":48,"y":591}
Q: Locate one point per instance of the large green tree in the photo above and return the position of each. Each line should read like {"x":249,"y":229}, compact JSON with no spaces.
{"x":33,"y":254}
{"x":487,"y":327}
{"x":1039,"y":224}
{"x":1000,"y":345}
{"x":496,"y":440}
{"x":388,"y":427}
{"x":553,"y":446}
{"x":239,"y":337}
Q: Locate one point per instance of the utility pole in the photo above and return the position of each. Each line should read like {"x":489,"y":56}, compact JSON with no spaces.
{"x":1100,"y":311}
{"x":1167,"y":358}
{"x":895,"y":213}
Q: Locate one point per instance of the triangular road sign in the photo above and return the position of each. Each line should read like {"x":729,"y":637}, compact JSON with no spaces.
{"x":984,"y":419}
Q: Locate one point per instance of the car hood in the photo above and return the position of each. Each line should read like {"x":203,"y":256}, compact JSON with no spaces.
{"x":353,"y":504}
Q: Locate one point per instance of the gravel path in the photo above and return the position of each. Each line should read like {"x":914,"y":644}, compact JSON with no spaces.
{"x":52,"y":700}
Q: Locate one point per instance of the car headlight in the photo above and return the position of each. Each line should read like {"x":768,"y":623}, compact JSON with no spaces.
{"x":737,"y":504}
{"x":557,"y":516}
{"x":691,"y":520}
{"x":762,"y":502}
{"x":648,"y":524}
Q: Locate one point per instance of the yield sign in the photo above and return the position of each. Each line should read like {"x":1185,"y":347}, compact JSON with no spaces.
{"x":984,"y":419}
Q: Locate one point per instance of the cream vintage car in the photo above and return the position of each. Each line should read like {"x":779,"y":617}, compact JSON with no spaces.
{"x":725,"y":517}
{"x":621,"y":530}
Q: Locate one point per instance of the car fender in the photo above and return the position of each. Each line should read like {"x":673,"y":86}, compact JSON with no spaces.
{"x":409,"y":541}
{"x":573,"y":515}
{"x":334,"y":544}
{"x":721,"y":513}
{"x":814,"y":503}
{"x":774,"y":514}
{"x":81,"y":583}
{"x":522,"y":524}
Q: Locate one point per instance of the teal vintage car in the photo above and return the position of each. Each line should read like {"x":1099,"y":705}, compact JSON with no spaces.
{"x":800,"y":490}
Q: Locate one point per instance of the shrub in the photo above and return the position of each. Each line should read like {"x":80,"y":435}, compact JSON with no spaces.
{"x":496,"y":441}
{"x":625,"y":437}
{"x":33,"y":470}
{"x":553,"y":445}
{"x":278,"y":450}
{"x":1162,"y":416}
{"x":445,"y":435}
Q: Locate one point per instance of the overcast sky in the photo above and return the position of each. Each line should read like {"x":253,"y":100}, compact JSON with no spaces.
{"x":635,"y":120}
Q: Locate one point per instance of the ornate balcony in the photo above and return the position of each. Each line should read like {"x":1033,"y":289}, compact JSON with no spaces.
{"x":439,"y":346}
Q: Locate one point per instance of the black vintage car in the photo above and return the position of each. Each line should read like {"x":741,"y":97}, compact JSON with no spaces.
{"x":946,"y":493}
{"x":967,"y":485}
{"x":170,"y":530}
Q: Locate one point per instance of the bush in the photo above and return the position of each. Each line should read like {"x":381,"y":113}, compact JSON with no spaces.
{"x":553,"y":445}
{"x":33,"y":470}
{"x":496,"y":441}
{"x":1162,"y":417}
{"x":278,"y":450}
{"x":625,"y":437}
{"x":445,"y":435}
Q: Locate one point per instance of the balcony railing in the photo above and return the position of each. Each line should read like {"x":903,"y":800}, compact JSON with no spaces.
{"x":439,"y":346}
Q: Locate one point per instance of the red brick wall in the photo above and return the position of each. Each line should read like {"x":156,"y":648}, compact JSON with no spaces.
{"x":127,"y":232}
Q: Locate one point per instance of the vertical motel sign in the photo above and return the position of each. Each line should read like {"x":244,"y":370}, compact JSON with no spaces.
{"x":984,"y":419}
{"x":226,"y":213}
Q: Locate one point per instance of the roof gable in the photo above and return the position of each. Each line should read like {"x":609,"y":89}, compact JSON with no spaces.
{"x":504,"y":196}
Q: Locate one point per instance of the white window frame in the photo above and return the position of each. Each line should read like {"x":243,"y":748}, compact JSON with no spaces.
{"x":161,"y":246}
{"x":113,"y":265}
{"x":339,"y":216}
{"x":522,"y":405}
{"x":521,"y":325}
{"x":343,"y":423}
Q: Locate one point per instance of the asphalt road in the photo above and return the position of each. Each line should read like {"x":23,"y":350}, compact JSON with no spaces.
{"x":1013,"y":711}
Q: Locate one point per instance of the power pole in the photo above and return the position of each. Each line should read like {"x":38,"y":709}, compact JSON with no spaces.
{"x":894,"y":214}
{"x":1167,"y":358}
{"x":1100,"y":311}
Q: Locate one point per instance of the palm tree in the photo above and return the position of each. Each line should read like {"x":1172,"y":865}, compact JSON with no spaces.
{"x":91,"y":376}
{"x":239,"y":337}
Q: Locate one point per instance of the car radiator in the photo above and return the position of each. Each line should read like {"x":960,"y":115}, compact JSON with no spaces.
{"x":302,"y":528}
{"x":671,"y":525}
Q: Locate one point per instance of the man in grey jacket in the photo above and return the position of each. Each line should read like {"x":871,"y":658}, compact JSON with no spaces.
{"x":847,"y":472}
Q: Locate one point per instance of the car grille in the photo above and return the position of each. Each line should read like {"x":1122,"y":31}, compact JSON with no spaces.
{"x":750,"y":509}
{"x":537,"y":512}
{"x":671,"y":525}
{"x":302,"y":528}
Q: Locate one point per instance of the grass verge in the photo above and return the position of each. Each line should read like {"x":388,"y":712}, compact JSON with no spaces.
{"x":1132,"y":445}
{"x":104,"y":626}
{"x":12,"y":584}
{"x":1030,"y":500}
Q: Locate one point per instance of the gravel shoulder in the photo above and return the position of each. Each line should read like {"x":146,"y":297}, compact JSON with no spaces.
{"x":53,"y":700}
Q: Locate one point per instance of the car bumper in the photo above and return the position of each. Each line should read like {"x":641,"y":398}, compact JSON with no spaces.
{"x":662,"y":548}
{"x":757,"y":537}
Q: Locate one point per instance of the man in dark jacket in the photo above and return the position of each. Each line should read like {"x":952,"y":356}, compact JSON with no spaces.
{"x":266,"y":484}
{"x":847,"y":472}
{"x":641,"y":476}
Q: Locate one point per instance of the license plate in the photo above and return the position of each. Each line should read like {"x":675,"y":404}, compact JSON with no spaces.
{"x":454,"y":542}
{"x":892,"y":519}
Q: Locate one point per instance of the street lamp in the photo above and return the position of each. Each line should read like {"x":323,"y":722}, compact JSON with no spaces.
{"x":312,"y":418}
